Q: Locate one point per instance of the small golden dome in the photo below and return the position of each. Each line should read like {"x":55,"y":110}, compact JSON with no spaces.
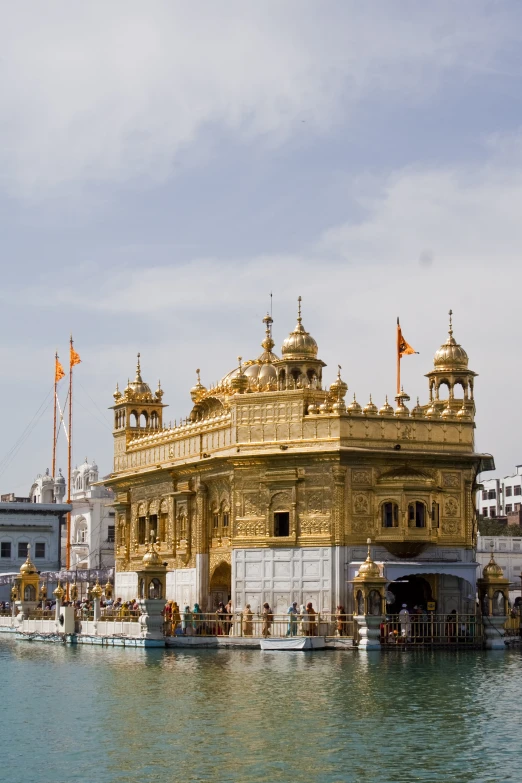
{"x":28,"y":567}
{"x":354,"y":406}
{"x":299,"y":344}
{"x":338,"y":388}
{"x":313,"y":408}
{"x":370,"y":409}
{"x":339,"y":406}
{"x":369,"y":569}
{"x":97,"y":590}
{"x":159,"y":392}
{"x":386,"y":409}
{"x":324,"y":407}
{"x":417,"y":412}
{"x":137,"y":389}
{"x":198,"y":390}
{"x":58,"y":592}
{"x":463,"y":414}
{"x":239,"y":381}
{"x":448,"y":413}
{"x":117,"y":394}
{"x":151,"y":558}
{"x":432,"y":412}
{"x":493,"y":570}
{"x":451,"y":355}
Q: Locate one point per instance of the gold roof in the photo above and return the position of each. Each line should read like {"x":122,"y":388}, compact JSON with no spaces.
{"x":28,"y":567}
{"x":299,"y":344}
{"x":451,"y":355}
{"x":369,"y":569}
{"x":137,"y":389}
{"x":493,"y":570}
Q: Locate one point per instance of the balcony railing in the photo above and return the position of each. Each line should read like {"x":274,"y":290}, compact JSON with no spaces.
{"x":432,"y":630}
{"x":258,"y":625}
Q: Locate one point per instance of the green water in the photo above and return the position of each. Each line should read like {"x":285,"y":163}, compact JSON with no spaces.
{"x":98,"y":715}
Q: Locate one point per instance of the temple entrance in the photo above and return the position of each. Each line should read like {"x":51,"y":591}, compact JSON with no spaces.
{"x":411,"y":590}
{"x":220,"y":585}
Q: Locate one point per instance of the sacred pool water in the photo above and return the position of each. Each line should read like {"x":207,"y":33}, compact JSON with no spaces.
{"x":107,"y":715}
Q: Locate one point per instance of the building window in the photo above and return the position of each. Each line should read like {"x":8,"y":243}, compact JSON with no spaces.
{"x":508,"y":491}
{"x":416,"y":514}
{"x":517,"y":506}
{"x":215,"y":521}
{"x":435,"y":515}
{"x":390,"y":515}
{"x":282,"y":523}
{"x":111,"y":534}
{"x":484,"y":494}
{"x":22,"y":548}
{"x":39,"y":549}
{"x":141,"y":530}
{"x":517,"y":490}
{"x":484,"y":512}
{"x":81,"y":535}
{"x":492,"y":511}
{"x":225,"y":519}
{"x":5,"y":549}
{"x":153,"y":527}
{"x":492,"y":494}
{"x":509,"y":508}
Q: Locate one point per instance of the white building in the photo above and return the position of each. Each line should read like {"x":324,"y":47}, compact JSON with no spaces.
{"x":92,"y":520}
{"x":501,"y":497}
{"x":27,"y":523}
{"x":507,"y":551}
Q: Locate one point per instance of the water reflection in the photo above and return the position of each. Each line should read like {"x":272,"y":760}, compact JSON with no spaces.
{"x":216,"y":715}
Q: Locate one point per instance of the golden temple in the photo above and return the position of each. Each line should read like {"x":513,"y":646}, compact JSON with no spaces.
{"x":270,"y":488}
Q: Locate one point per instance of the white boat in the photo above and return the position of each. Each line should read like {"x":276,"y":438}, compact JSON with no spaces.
{"x":304,"y":643}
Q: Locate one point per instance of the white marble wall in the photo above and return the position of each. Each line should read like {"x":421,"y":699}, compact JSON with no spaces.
{"x":126,"y":585}
{"x":281,"y":576}
{"x":181,"y":586}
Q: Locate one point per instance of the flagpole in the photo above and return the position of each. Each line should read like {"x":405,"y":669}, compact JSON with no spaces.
{"x":54,"y":427}
{"x":69,"y":455}
{"x":398,"y":359}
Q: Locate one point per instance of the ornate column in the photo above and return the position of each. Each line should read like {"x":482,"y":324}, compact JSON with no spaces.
{"x":493,"y":592}
{"x":369,"y":603}
{"x":151,"y":594}
{"x":339,"y":478}
{"x":202,"y":567}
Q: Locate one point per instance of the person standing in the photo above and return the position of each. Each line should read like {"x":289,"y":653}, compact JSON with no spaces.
{"x":247,"y":621}
{"x":305,"y":621}
{"x":268,"y":618}
{"x":404,"y":619}
{"x":292,"y":620}
{"x":312,"y":623}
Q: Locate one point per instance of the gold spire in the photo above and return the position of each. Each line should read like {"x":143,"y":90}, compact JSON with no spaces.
{"x":28,"y":567}
{"x":138,"y":371}
{"x":369,"y":569}
{"x":299,"y":343}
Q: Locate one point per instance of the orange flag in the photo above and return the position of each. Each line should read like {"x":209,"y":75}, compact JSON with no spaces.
{"x":58,"y":370}
{"x":74,"y":358}
{"x":403,"y":348}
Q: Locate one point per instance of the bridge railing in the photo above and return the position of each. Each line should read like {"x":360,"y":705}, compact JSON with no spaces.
{"x":432,"y":629}
{"x":239,"y":624}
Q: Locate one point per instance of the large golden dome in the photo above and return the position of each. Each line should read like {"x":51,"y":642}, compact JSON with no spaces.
{"x":451,"y":355}
{"x":493,"y":570}
{"x":299,"y":344}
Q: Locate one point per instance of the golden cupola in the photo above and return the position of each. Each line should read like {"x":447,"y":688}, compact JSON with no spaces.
{"x":451,"y":373}
{"x":299,"y":367}
{"x":137,"y":408}
{"x":137,"y":390}
{"x":299,"y":344}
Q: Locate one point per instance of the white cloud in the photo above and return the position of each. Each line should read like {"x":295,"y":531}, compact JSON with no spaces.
{"x":95,"y":92}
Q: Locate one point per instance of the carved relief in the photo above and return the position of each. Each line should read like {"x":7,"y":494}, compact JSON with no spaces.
{"x":250,"y":506}
{"x":281,"y":500}
{"x":361,"y":504}
{"x":451,"y":507}
{"x":451,"y":527}
{"x":250,"y":527}
{"x":451,"y":480}
{"x":216,"y":558}
{"x":362,"y":525}
{"x":314,"y":501}
{"x":361,"y":477}
{"x":315,"y":526}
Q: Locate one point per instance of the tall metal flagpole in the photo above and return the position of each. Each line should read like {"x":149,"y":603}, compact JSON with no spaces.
{"x":398,"y":358}
{"x":54,"y":428}
{"x":69,"y":455}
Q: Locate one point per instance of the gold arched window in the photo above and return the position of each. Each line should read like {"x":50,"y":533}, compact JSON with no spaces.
{"x":417,"y":514}
{"x":390,"y":514}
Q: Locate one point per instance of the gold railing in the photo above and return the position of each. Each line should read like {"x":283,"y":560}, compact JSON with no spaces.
{"x":513,"y":626}
{"x":258,"y":625}
{"x":432,"y":629}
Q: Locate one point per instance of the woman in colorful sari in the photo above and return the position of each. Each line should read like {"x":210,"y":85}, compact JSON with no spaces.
{"x":292,"y":620}
{"x":176,"y":618}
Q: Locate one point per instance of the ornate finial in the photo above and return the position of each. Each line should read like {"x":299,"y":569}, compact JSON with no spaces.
{"x":239,"y":360}
{"x":450,"y":323}
{"x":138,"y":370}
{"x":299,"y":300}
{"x":369,"y":542}
{"x":198,"y":376}
{"x":371,"y":401}
{"x":339,"y":371}
{"x":268,"y":342}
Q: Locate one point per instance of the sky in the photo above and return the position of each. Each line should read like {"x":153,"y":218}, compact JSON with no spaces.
{"x":165,"y":166}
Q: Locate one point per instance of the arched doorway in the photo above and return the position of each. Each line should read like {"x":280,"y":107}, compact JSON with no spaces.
{"x":411,"y":590}
{"x":220,"y":585}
